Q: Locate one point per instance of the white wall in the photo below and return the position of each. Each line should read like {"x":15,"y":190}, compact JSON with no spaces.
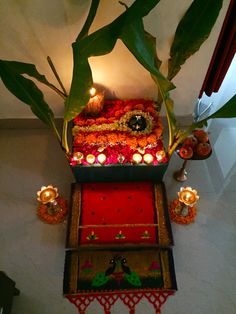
{"x":32,"y":30}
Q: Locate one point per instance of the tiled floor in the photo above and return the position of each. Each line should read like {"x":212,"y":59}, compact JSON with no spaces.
{"x":32,"y":253}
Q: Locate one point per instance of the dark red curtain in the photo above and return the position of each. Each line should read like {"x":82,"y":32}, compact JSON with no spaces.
{"x":223,"y":53}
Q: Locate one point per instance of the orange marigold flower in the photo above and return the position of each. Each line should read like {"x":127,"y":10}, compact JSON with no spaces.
{"x":118,"y":113}
{"x":111,"y":119}
{"x":81,"y":123}
{"x":158,"y":132}
{"x":79,"y":139}
{"x":90,"y":122}
{"x":151,"y":110}
{"x":102,"y":139}
{"x":142,"y":142}
{"x":122,"y":137}
{"x":101,"y":120}
{"x":131,"y":141}
{"x":91,"y":139}
{"x":112,"y":138}
{"x":139,"y":107}
{"x":127,"y":108}
{"x":151,"y":139}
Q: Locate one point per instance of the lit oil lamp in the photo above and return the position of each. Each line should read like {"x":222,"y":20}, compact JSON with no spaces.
{"x":92,"y":91}
{"x":77,"y":157}
{"x":52,"y":208}
{"x":90,"y":158}
{"x":160,"y":155}
{"x":148,"y":158}
{"x":102,"y":158}
{"x":47,"y":194}
{"x":182,"y":210}
{"x":101,"y":149}
{"x":188,"y":196}
{"x":137,"y":158}
{"x":120,"y":158}
{"x":141,"y":150}
{"x":95,"y":104}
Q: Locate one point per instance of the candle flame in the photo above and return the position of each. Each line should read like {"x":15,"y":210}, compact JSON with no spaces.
{"x":92,"y":91}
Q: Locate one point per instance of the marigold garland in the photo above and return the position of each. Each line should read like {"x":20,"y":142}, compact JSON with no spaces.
{"x":184,"y":220}
{"x":114,"y":109}
{"x":111,"y":132}
{"x":46,"y":215}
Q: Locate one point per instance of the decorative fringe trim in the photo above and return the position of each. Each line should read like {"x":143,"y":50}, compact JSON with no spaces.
{"x":130,"y":299}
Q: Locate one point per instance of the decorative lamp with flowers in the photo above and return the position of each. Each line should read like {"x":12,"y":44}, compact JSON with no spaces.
{"x":52,"y":208}
{"x":182,"y":210}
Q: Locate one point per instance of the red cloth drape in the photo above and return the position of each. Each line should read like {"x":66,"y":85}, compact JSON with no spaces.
{"x":223,"y":53}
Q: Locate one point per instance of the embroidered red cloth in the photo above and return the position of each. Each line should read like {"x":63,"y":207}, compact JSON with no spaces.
{"x":118,"y":214}
{"x":122,"y":204}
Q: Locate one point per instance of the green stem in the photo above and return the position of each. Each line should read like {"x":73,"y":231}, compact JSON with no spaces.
{"x":164,"y":97}
{"x":170,"y":128}
{"x":64,"y":138}
{"x":179,"y":139}
{"x":57,"y":76}
{"x":159,"y":99}
{"x":55,"y":131}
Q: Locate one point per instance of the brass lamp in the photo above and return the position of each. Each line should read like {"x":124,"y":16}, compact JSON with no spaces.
{"x":182,"y":210}
{"x":52,"y":208}
{"x":48,"y":195}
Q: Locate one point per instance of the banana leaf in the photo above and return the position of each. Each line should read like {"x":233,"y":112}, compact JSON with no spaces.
{"x":102,"y":42}
{"x":25,"y":89}
{"x":228,"y":110}
{"x":30,"y":70}
{"x":143,"y":46}
{"x":193,"y":29}
{"x":89,"y":20}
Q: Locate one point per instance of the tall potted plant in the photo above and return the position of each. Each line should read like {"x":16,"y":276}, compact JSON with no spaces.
{"x":193,"y":29}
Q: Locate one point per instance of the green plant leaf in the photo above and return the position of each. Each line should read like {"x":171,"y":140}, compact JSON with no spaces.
{"x":133,"y":279}
{"x":100,"y":279}
{"x":29,"y":69}
{"x":193,"y":29}
{"x":25,"y":89}
{"x":228,"y":110}
{"x":89,"y":20}
{"x":102,"y":42}
{"x":169,"y":106}
{"x":143,"y":46}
